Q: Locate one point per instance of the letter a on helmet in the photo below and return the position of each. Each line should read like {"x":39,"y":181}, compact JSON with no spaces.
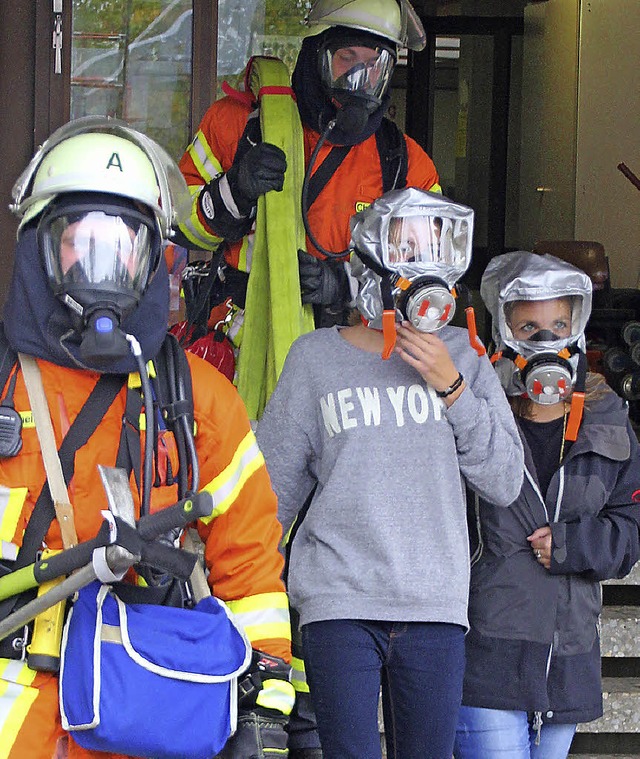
{"x":97,"y":154}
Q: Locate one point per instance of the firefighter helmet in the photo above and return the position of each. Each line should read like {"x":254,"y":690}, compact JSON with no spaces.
{"x":96,"y":154}
{"x":394,"y":20}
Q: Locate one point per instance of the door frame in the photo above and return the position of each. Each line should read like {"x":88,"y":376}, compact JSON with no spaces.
{"x":421,"y":82}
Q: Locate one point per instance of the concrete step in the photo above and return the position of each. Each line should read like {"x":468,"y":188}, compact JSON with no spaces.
{"x":633,"y":578}
{"x":621,"y":698}
{"x":620,"y":631}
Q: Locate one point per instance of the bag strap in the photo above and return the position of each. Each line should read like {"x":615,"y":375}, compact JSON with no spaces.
{"x":60,"y":465}
{"x":53,"y":468}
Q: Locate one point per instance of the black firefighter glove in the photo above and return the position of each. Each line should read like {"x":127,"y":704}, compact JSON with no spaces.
{"x":323,"y":282}
{"x":265,"y":700}
{"x":258,"y":170}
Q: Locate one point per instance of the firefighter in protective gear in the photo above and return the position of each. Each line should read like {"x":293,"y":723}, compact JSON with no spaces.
{"x":342,"y":109}
{"x":96,"y":204}
{"x":341,"y":85}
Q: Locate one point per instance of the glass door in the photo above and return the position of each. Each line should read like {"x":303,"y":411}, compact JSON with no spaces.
{"x":463,"y":106}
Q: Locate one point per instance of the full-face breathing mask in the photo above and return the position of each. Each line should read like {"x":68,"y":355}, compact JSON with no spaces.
{"x":356,"y":72}
{"x":540,"y":306}
{"x":104,"y":196}
{"x":410,"y":247}
{"x":100,"y":253}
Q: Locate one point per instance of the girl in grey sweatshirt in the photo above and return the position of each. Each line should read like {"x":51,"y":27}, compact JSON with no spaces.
{"x":379,"y":567}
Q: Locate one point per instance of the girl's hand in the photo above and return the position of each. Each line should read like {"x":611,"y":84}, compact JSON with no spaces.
{"x":428,"y":355}
{"x":540,"y":541}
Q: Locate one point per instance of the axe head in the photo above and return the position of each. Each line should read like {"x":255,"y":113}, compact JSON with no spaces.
{"x":119,"y":497}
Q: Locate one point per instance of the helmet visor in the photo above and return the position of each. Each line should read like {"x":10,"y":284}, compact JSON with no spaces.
{"x":98,"y":250}
{"x":357,"y":69}
{"x":427,"y":239}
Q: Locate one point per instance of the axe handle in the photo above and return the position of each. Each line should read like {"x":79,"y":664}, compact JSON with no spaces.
{"x":63,"y":590}
{"x":198,"y":580}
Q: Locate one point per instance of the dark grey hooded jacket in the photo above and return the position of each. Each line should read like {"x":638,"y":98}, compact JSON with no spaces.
{"x":533,"y":643}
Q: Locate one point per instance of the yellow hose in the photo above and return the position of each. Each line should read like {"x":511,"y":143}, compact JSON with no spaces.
{"x":274,"y":314}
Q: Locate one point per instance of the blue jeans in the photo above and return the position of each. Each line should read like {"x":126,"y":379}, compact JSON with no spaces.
{"x":489,"y":733}
{"x":420,"y":667}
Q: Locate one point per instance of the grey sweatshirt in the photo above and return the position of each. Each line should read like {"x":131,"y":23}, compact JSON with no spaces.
{"x":385,"y":537}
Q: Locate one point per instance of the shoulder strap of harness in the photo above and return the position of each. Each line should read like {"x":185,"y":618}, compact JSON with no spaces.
{"x":8,"y":358}
{"x":392,"y":149}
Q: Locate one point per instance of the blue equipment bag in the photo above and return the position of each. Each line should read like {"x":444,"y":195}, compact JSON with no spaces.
{"x":150,"y":681}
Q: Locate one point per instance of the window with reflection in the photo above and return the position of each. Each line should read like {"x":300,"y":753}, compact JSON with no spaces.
{"x":132,"y":60}
{"x":257,"y":27}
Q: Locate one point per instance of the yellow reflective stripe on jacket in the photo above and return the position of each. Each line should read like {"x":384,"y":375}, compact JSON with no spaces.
{"x":16,"y":698}
{"x":277,"y":694}
{"x":263,"y":616}
{"x":206,"y":163}
{"x":208,"y":167}
{"x":299,"y":675}
{"x":245,"y":252}
{"x":436,"y":188}
{"x":193,"y":229}
{"x":11,"y":503}
{"x":225,"y":487}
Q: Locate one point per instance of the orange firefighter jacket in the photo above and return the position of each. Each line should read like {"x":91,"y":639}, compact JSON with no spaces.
{"x":355,"y":184}
{"x":242,"y":535}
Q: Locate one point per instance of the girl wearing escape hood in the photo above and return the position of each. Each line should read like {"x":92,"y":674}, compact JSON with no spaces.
{"x":533,"y":653}
{"x":380,"y":446}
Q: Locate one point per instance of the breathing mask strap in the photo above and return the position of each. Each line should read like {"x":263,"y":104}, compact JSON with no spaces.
{"x":577,"y":399}
{"x":474,"y":340}
{"x":518,"y":360}
{"x":388,"y":281}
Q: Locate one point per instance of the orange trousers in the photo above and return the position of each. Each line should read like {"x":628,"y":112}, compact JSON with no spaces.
{"x":30,"y":718}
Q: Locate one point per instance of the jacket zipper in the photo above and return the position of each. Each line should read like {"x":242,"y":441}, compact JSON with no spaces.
{"x":480,"y":548}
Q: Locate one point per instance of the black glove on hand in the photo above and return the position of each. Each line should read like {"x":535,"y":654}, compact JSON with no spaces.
{"x":323,"y":282}
{"x":255,"y":172}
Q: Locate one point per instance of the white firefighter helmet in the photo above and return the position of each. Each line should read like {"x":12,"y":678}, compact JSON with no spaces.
{"x":395,"y":20}
{"x":97,"y":154}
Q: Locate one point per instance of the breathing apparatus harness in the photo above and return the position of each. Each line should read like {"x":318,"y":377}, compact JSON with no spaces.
{"x":392,"y":150}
